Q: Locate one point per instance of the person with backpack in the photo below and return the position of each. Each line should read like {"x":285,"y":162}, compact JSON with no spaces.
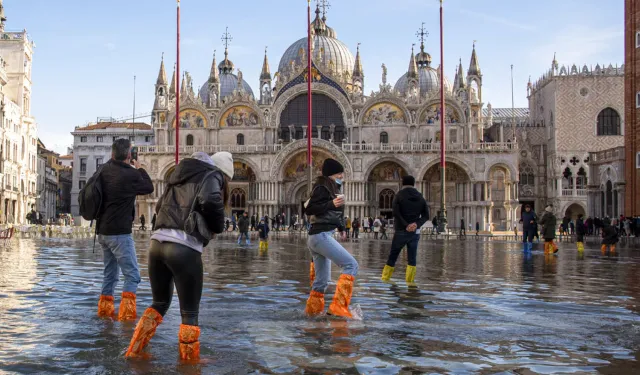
{"x":410,"y":213}
{"x":120,"y":180}
{"x":190,"y":212}
{"x":326,"y":212}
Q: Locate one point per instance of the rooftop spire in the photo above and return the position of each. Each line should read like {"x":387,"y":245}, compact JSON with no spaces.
{"x":214,"y":75}
{"x":474,"y":66}
{"x":183,"y":85}
{"x":423,"y":59}
{"x":357,"y":69}
{"x":324,"y":4}
{"x":162,"y":75}
{"x":266,"y":72}
{"x":413,"y":68}
{"x":172,"y":88}
{"x":461,"y":82}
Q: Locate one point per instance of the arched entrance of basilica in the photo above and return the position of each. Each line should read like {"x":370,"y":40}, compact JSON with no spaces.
{"x":458,"y":189}
{"x":383,"y":183}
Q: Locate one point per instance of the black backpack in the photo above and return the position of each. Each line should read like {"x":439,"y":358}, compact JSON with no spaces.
{"x":90,"y":197}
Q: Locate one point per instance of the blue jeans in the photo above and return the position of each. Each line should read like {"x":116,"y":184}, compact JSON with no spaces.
{"x":119,"y":252}
{"x":401,"y":239}
{"x":325,"y":249}
{"x":246,"y":237}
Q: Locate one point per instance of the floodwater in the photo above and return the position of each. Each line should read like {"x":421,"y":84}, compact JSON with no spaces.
{"x":476,"y":308}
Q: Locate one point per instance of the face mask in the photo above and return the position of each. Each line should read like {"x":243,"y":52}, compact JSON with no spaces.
{"x":338,"y":181}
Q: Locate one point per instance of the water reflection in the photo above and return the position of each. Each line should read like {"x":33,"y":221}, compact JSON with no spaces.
{"x":475,"y":308}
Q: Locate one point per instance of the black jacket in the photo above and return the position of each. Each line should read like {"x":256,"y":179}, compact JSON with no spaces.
{"x":409,"y":207}
{"x":527,"y":217}
{"x":609,"y":235}
{"x":580,"y":229}
{"x":121,"y":183}
{"x":174,"y":206}
{"x":323,"y":214}
{"x":243,"y":224}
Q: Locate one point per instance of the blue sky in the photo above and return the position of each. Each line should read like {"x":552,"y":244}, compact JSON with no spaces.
{"x":88,"y":51}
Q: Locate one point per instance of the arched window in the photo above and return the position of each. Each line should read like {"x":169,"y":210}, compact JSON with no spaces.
{"x":567,"y":180}
{"x":240,"y":139}
{"x":238,"y":198}
{"x":386,"y":199}
{"x":527,"y":176}
{"x":609,"y":199}
{"x":189,"y":140}
{"x":581,"y":179}
{"x":608,"y":122}
{"x":384,"y":137}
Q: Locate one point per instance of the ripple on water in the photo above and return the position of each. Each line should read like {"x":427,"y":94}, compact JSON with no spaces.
{"x":476,"y":308}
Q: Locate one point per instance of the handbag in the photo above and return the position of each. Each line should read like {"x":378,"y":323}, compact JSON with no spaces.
{"x":196,"y":225}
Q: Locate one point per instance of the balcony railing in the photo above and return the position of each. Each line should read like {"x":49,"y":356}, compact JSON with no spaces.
{"x":574,"y":193}
{"x":346,"y":147}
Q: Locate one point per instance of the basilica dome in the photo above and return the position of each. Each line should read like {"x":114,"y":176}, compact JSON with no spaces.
{"x":228,"y":81}
{"x":332,"y":53}
{"x":429,"y":81}
{"x":428,"y":77}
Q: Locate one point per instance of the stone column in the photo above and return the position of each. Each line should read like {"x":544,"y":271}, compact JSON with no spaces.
{"x":332,"y":129}
{"x":319,"y":127}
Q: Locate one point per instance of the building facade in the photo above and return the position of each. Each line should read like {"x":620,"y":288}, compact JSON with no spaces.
{"x":18,"y":129}
{"x":607,"y":186}
{"x":92,"y":148}
{"x":378,"y":137}
{"x":48,"y":180}
{"x":573,"y":112}
{"x":632,"y":103}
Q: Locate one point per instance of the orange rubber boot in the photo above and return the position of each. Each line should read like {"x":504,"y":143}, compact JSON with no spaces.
{"x":315,"y":303}
{"x":340,"y":304}
{"x":106,"y":308}
{"x":127,"y":307}
{"x":145,"y":329}
{"x":554,"y":246}
{"x":312,"y":273}
{"x":189,"y":345}
{"x":547,"y":248}
{"x":603,"y":249}
{"x":612,"y":248}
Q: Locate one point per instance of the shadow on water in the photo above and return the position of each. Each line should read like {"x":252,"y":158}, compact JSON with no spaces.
{"x":477,"y":307}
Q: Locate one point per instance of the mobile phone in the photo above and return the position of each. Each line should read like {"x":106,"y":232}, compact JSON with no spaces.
{"x":134,"y":154}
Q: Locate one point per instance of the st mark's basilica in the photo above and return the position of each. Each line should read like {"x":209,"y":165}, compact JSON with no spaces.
{"x":378,"y":137}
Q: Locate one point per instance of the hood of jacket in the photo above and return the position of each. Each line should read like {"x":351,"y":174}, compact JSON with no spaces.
{"x":188,"y":169}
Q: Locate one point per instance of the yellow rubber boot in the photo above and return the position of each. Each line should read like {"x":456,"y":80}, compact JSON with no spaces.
{"x":411,"y":274}
{"x":312,"y":273}
{"x":315,"y":304}
{"x":580,"y":246}
{"x":145,"y":329}
{"x":341,"y":300}
{"x":127,"y":307}
{"x":189,"y":346}
{"x":106,"y":307}
{"x":387,"y":272}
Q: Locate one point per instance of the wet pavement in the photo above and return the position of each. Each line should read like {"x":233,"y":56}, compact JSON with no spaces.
{"x":476,"y":308}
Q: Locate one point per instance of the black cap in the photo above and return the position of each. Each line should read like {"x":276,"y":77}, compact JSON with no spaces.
{"x":331,"y":167}
{"x":408,"y":181}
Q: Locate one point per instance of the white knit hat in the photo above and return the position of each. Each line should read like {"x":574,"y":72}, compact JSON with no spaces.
{"x":224,"y":161}
{"x":202,"y":156}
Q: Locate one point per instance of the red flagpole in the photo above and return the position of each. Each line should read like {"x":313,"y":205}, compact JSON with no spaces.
{"x":443,"y":209}
{"x":177,"y":120}
{"x":310,"y":118}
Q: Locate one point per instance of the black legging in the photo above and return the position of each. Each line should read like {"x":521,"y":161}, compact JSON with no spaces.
{"x":171,"y":263}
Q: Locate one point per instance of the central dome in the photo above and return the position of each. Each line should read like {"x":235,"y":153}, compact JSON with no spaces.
{"x":332,"y":53}
{"x":429,"y":79}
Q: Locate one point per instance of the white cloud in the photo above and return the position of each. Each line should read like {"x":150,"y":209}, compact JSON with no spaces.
{"x":579,"y":44}
{"x":499,"y":20}
{"x":110,"y":46}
